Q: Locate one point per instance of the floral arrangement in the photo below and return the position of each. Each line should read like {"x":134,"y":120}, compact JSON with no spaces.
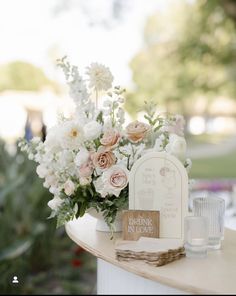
{"x":85,"y":160}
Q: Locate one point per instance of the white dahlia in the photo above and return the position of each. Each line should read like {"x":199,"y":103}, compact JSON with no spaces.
{"x":100,"y":76}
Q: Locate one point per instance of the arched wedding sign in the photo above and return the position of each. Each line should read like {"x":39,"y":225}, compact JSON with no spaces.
{"x":159,"y":181}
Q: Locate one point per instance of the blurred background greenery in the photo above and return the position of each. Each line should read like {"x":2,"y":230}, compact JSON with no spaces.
{"x":179,"y":53}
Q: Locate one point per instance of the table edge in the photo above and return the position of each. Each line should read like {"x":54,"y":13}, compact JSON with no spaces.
{"x":124,"y":265}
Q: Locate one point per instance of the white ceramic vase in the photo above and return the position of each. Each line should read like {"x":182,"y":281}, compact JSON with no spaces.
{"x":101,"y":225}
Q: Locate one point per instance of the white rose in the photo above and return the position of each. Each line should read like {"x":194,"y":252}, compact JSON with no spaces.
{"x":85,"y":181}
{"x":92,"y":130}
{"x":55,"y":203}
{"x":176,"y":146}
{"x":100,"y":187}
{"x":69,"y":187}
{"x":82,"y":157}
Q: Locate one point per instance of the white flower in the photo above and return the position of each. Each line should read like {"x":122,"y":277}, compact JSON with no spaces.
{"x":71,"y":135}
{"x":82,"y":157}
{"x":158,"y":145}
{"x":133,"y":151}
{"x":78,"y":91}
{"x":100,"y":77}
{"x":69,"y":187}
{"x":176,"y":146}
{"x":65,"y":158}
{"x":51,"y":180}
{"x":92,"y":130}
{"x":36,"y":141}
{"x":100,"y":187}
{"x":55,"y":203}
{"x":54,"y":190}
{"x":107,"y":104}
{"x":85,"y":181}
{"x":121,"y":116}
{"x":121,"y":100}
{"x":42,"y":171}
{"x":52,"y":142}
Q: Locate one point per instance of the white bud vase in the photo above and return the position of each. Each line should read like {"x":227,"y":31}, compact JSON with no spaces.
{"x":101,"y":224}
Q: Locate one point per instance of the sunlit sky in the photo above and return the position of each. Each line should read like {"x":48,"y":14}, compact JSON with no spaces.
{"x":31,"y":31}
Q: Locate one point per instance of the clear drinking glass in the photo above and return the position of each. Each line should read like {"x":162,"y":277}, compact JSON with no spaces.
{"x":196,"y":236}
{"x":213,"y":208}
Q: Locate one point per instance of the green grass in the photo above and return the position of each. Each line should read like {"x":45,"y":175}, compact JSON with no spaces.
{"x":216,"y":167}
{"x":206,"y":139}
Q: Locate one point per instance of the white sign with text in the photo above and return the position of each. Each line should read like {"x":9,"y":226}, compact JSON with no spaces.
{"x":158,"y":181}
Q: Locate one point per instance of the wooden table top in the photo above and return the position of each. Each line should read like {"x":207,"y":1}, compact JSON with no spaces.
{"x":215,"y":274}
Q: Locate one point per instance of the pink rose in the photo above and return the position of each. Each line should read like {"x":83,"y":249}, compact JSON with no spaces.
{"x":103,"y":158}
{"x":110,"y":138}
{"x":112,"y":181}
{"x":118,"y":178}
{"x":136,"y":131}
{"x":86,"y":170}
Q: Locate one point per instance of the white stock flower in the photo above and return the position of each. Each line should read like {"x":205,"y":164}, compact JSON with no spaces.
{"x":42,"y":171}
{"x":92,"y":130}
{"x":69,"y":187}
{"x":176,"y":146}
{"x":121,"y":115}
{"x":107,"y":104}
{"x":55,"y":203}
{"x":54,"y":190}
{"x":78,"y":91}
{"x":51,"y":180}
{"x":65,"y":158}
{"x":100,"y":76}
{"x":82,"y":157}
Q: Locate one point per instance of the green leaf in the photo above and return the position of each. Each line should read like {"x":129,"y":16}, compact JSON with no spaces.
{"x":16,"y":249}
{"x":100,"y":118}
{"x":11,"y":187}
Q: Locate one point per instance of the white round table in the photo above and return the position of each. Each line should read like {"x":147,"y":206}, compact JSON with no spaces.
{"x":215,"y":274}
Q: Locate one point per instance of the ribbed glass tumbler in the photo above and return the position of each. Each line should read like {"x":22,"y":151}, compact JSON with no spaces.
{"x":213,"y":208}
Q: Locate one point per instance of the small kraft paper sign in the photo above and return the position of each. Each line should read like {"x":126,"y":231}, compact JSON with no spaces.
{"x":137,"y":223}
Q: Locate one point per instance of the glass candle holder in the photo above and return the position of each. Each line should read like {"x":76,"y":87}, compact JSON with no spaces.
{"x":213,"y":208}
{"x":196,"y":236}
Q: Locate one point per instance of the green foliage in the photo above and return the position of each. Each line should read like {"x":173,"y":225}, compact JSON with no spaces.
{"x":87,"y":197}
{"x":190,"y":51}
{"x":30,"y":247}
{"x":20,"y":75}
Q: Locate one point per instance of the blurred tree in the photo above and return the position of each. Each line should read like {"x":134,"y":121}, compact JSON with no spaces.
{"x":190,"y":51}
{"x":20,"y":75}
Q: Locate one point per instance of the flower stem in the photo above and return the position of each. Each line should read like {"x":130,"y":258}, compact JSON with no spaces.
{"x":96,"y":93}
